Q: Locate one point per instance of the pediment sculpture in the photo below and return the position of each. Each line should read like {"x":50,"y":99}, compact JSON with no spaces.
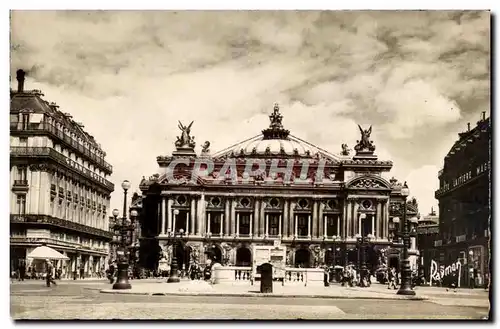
{"x":367,"y":183}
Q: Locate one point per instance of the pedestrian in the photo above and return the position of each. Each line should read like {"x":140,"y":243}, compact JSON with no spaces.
{"x":471,"y":278}
{"x":392,"y":278}
{"x":50,"y":268}
{"x":82,"y":271}
{"x":22,"y":269}
{"x":111,"y":272}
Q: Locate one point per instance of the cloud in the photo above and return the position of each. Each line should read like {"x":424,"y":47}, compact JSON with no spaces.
{"x":417,"y":77}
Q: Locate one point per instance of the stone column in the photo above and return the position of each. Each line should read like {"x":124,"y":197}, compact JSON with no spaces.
{"x":338,"y":224}
{"x":171,"y":225}
{"x":209,"y":229}
{"x":199,"y":219}
{"x":163,"y":215}
{"x":227,"y":218}
{"x":203,"y":214}
{"x":321,"y":220}
{"x":255,"y":217}
{"x":293,"y":224}
{"x":251,"y":224}
{"x":374,"y":230}
{"x":174,"y":219}
{"x":325,"y":228}
{"x":348,"y":221}
{"x":286,"y":219}
{"x":315,"y":229}
{"x":238,"y":224}
{"x":308,"y":226}
{"x":262,"y":218}
{"x":355,"y":217}
{"x":192,"y":215}
{"x":385,"y":219}
{"x":233,"y":217}
{"x":279,"y":226}
{"x":224,"y":220}
{"x":266,"y":226}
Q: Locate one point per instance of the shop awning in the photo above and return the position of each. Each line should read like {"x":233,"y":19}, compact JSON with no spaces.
{"x":44,"y":252}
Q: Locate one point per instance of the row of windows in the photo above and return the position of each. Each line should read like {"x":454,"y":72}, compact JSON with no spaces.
{"x":36,"y":142}
{"x":216,"y":224}
{"x":79,"y":160}
{"x":79,"y":215}
{"x":83,"y":217}
{"x":72,"y":191}
{"x":76,"y":239}
{"x":33,"y":119}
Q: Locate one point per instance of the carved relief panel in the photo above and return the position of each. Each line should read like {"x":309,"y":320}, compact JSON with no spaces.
{"x":273,"y":203}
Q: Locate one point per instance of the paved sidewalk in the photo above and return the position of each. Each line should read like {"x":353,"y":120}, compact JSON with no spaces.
{"x":433,"y":291}
{"x":202,"y":288}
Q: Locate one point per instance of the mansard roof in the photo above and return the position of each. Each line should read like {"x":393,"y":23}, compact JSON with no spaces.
{"x":31,"y":101}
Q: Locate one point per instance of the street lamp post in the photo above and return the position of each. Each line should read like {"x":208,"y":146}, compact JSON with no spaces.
{"x":405,"y":288}
{"x":471,"y":269}
{"x":174,"y":275}
{"x":362,"y":243}
{"x":122,"y":280}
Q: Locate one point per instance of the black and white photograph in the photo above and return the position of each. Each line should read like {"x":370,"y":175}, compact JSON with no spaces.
{"x":250,"y":165}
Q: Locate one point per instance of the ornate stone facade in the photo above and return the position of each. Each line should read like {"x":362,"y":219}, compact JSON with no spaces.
{"x":315,"y":203}
{"x":59,"y":188}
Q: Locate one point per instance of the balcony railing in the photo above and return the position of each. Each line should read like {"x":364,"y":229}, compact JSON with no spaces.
{"x":58,"y":222}
{"x":20,"y":182}
{"x":59,"y":242}
{"x":60,"y":158}
{"x":61,"y":135}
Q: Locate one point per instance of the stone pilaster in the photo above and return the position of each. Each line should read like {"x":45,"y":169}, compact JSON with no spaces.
{"x":315,"y":230}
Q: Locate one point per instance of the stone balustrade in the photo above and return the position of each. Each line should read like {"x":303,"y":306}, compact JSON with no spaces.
{"x":224,"y":274}
{"x":299,"y":276}
{"x":304,"y":276}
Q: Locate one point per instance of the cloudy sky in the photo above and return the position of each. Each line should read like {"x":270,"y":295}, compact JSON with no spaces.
{"x":417,"y":77}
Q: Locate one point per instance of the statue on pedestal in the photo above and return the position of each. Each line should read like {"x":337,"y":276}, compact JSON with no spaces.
{"x":185,"y":140}
{"x":365,"y":144}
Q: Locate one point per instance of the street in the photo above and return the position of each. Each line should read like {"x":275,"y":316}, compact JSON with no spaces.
{"x":82,"y":300}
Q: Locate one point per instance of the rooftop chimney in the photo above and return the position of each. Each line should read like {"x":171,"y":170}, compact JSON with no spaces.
{"x":468,"y":126}
{"x":20,"y":80}
{"x":484,"y":115}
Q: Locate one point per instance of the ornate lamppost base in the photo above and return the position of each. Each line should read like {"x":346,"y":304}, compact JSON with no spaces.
{"x":174,"y":277}
{"x":122,"y":280}
{"x":407,"y":291}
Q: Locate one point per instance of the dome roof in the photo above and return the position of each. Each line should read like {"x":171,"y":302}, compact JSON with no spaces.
{"x":262,"y":146}
{"x":275,"y":141}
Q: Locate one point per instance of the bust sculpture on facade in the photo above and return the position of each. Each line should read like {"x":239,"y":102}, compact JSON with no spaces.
{"x":185,"y":140}
{"x":345,"y":150}
{"x":365,"y":144}
{"x":205,"y":148}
